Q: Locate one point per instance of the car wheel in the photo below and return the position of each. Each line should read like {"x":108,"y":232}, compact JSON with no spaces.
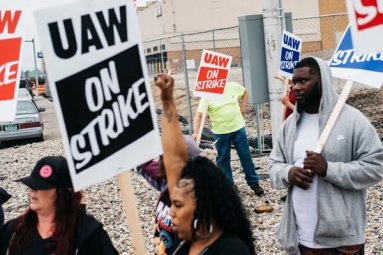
{"x":41,"y":138}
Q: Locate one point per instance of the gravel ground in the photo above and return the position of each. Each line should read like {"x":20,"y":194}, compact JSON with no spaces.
{"x":104,"y":202}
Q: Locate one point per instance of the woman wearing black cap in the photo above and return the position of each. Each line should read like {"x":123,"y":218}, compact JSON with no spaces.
{"x":56,"y":221}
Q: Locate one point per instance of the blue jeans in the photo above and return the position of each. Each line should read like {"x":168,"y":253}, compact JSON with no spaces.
{"x":241,"y":144}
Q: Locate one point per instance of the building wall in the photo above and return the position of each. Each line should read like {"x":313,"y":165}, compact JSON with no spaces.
{"x":332,"y":6}
{"x":199,"y":15}
{"x":332,"y":28}
{"x":186,"y":16}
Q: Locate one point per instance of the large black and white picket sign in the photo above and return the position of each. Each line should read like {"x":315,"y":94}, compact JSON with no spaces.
{"x":100,"y":87}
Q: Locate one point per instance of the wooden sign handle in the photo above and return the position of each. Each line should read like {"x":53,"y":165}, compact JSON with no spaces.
{"x":131,"y":212}
{"x":284,"y":94}
{"x":333,"y":117}
{"x":202,"y":124}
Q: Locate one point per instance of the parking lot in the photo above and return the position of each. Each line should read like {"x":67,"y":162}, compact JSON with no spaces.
{"x":51,"y":128}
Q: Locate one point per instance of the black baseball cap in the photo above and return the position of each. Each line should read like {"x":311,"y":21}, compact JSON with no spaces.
{"x":49,"y":173}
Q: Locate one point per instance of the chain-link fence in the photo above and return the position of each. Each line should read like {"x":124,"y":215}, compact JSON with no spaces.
{"x":320,"y":34}
{"x":180,"y":55}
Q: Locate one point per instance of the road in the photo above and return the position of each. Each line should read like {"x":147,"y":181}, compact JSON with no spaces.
{"x":51,"y":126}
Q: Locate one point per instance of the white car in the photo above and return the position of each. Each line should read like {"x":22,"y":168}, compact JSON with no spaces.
{"x":24,"y":93}
{"x":27,"y":124}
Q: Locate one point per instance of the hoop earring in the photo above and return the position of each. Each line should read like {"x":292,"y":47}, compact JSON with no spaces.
{"x":198,"y":234}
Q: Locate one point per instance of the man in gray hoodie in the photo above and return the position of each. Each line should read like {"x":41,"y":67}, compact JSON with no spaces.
{"x":325,"y":211}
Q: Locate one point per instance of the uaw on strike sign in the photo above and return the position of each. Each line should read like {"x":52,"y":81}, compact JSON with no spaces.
{"x":290,"y":54}
{"x":366,"y":18}
{"x":104,"y":102}
{"x":11,"y":41}
{"x":212,"y":75}
{"x":363,"y":68}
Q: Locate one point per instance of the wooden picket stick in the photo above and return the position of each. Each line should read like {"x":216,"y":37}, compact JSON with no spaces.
{"x":333,"y":117}
{"x":284,"y":94}
{"x":131,"y":212}
{"x":202,"y":124}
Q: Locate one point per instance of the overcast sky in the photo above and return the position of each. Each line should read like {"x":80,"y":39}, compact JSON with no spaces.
{"x":31,"y":30}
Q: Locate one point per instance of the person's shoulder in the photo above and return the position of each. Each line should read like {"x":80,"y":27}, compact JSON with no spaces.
{"x":92,"y":238}
{"x":10,"y":225}
{"x":234,"y":85}
{"x":89,"y":221}
{"x":230,"y":245}
{"x":88,"y":224}
{"x":6,"y":232}
{"x":289,"y":123}
{"x":351,"y":113}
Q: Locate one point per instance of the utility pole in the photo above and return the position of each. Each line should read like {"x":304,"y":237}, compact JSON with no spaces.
{"x":34,"y":55}
{"x":273,"y":37}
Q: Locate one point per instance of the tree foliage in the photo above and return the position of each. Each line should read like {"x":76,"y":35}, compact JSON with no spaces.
{"x":33,"y":80}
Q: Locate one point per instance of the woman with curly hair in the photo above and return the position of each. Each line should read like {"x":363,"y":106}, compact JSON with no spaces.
{"x":55,"y":222}
{"x":206,"y":211}
{"x":208,"y":214}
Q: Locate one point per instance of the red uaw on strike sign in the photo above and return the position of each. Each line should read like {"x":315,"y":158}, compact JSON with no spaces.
{"x":11,"y":41}
{"x":212,"y":75}
{"x":98,"y":77}
{"x":366,"y":19}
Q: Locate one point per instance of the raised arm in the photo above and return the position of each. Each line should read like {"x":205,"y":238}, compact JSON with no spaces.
{"x":244,"y":100}
{"x":279,"y":77}
{"x":173,"y":143}
{"x":196,"y":124}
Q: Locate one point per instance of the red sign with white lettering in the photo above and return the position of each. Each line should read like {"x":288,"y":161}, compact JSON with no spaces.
{"x":9,"y":64}
{"x":212,"y":75}
{"x":212,"y":80}
{"x":11,"y":42}
{"x":368,"y":13}
{"x":366,"y":20}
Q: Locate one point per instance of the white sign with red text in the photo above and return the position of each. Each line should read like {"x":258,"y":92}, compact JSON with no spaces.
{"x":11,"y":42}
{"x":212,"y":75}
{"x":366,"y":18}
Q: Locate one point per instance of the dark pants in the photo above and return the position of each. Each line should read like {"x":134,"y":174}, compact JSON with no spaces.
{"x":241,"y":144}
{"x":344,"y":250}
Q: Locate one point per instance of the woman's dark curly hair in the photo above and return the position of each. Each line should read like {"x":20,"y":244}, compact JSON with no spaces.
{"x":68,"y":206}
{"x":217,"y":199}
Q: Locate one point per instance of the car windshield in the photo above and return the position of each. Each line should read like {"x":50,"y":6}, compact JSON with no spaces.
{"x":25,"y":107}
{"x":23,"y":93}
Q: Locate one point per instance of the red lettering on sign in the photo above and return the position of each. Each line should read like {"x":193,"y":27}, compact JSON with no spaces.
{"x":9,"y":64}
{"x":11,"y":22}
{"x":211,"y":80}
{"x":368,"y":13}
{"x":216,"y":60}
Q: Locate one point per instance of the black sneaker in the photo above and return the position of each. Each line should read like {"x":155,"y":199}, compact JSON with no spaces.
{"x":257,"y":189}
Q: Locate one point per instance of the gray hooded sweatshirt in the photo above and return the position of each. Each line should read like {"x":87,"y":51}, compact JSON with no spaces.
{"x":354,"y":156}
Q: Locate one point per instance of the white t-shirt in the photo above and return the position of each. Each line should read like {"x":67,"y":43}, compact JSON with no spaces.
{"x":305,"y":201}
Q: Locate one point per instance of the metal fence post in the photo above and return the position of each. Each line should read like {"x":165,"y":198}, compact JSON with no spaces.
{"x":213,"y":40}
{"x":162,"y":57}
{"x":258,"y":128}
{"x":334,"y":30}
{"x":335,"y":42}
{"x":186,"y":78}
